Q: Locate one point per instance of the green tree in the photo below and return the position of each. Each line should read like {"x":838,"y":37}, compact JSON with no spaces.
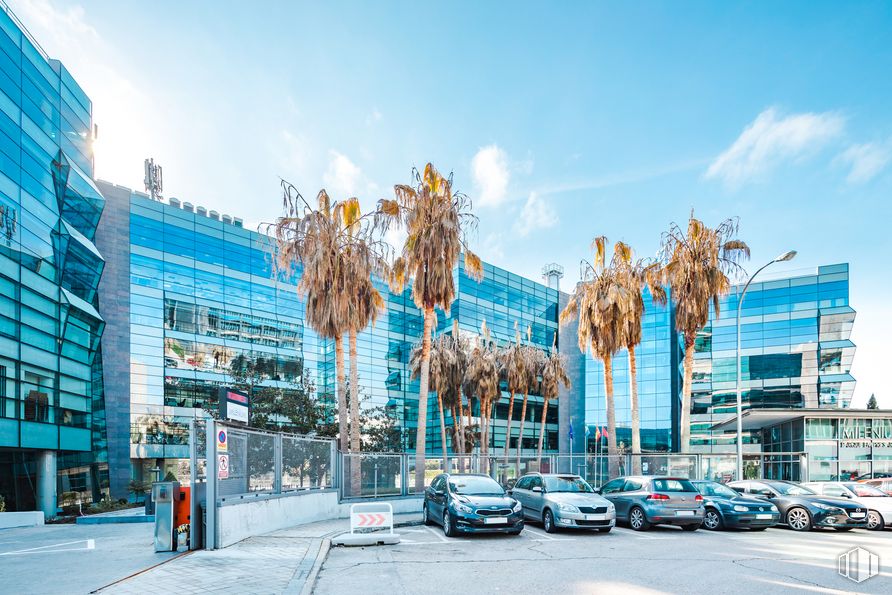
{"x":436,"y":221}
{"x":872,"y":402}
{"x":697,"y":262}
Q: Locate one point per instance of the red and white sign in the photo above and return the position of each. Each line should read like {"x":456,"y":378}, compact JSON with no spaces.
{"x":222,"y":466}
{"x":371,"y":516}
{"x":370,"y":520}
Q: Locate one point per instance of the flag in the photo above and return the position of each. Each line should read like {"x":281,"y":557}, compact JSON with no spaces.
{"x":587,"y":432}
{"x":598,"y":434}
{"x":571,"y":431}
{"x":604,"y":433}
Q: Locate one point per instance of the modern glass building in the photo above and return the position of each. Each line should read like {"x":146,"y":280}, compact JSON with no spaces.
{"x":50,"y":366}
{"x":795,"y":353}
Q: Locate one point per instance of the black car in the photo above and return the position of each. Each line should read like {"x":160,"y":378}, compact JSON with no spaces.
{"x":727,"y":509}
{"x":801,"y":509}
{"x":469,"y":503}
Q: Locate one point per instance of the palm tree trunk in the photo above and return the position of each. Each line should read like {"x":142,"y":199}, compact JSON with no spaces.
{"x":443,"y":430}
{"x":459,"y":444}
{"x":684,"y":444}
{"x":489,"y":433}
{"x":541,"y":434}
{"x":342,"y":394}
{"x":636,"y":416}
{"x":356,"y":469}
{"x":421,"y":433}
{"x":612,"y":458}
{"x":508,"y":430}
{"x":523,"y":417}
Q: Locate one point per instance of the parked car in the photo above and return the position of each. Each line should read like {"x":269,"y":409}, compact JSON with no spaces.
{"x":563,"y":501}
{"x":801,"y":509}
{"x":727,"y":509}
{"x":882,"y":484}
{"x":877,"y":502}
{"x":645,"y":501}
{"x":469,"y":503}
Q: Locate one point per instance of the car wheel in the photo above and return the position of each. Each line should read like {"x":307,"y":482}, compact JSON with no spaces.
{"x":548,"y":521}
{"x":605,"y":530}
{"x":713,"y":520}
{"x":874,"y":521}
{"x":798,"y":519}
{"x":425,"y":518}
{"x":758,"y":528}
{"x":843,"y":529}
{"x":448,"y":527}
{"x":690,"y":527}
{"x":637,"y":519}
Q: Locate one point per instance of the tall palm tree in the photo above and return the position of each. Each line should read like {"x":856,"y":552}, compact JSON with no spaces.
{"x":636,"y":275}
{"x":602,"y":302}
{"x":554,"y":374}
{"x":697,"y":262}
{"x":514,"y":367}
{"x":482,"y":381}
{"x":529,"y":382}
{"x":436,"y":220}
{"x":442,"y":359}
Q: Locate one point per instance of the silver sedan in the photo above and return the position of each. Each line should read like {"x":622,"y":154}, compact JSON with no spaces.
{"x":563,"y":501}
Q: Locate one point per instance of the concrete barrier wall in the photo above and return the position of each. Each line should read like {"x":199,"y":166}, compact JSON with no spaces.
{"x":242,"y":519}
{"x":9,"y":520}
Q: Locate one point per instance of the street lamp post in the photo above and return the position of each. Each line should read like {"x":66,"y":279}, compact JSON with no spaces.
{"x":782,"y":258}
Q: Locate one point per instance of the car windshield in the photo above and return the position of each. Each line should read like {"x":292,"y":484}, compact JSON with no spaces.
{"x":712,"y":488}
{"x":791,"y":489}
{"x":866,"y":491}
{"x":475,"y":486}
{"x":567,"y":483}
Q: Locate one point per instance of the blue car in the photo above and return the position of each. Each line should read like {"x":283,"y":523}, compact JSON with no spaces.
{"x":727,"y":509}
{"x":469,"y":503}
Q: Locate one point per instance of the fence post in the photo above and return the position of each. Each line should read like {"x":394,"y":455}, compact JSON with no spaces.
{"x":277,"y":463}
{"x":404,"y":474}
{"x":210,"y":537}
{"x":336,"y":469}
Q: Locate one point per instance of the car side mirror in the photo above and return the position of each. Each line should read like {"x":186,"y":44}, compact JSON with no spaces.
{"x":537,"y":489}
{"x":439,"y":492}
{"x":597,"y":490}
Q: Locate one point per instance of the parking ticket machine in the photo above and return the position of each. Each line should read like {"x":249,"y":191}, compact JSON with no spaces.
{"x":165,"y":494}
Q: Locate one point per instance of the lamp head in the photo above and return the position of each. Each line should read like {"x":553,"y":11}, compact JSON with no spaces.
{"x":786,"y":256}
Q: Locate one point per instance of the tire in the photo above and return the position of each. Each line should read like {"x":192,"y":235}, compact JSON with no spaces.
{"x":548,"y":521}
{"x":843,"y":529}
{"x":448,"y":525}
{"x":638,"y":520}
{"x":605,"y":530}
{"x":758,"y":528}
{"x":798,"y":519}
{"x":713,"y":520}
{"x":875,"y":521}
{"x":425,"y":519}
{"x":690,"y":528}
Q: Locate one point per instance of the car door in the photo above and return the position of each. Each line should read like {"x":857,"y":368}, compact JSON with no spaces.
{"x":612,"y":490}
{"x":535,"y":499}
{"x":521,"y":493}
{"x":437,"y":498}
{"x":762,"y":491}
{"x":632,"y":492}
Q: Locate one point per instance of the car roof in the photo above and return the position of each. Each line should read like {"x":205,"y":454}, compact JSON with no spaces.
{"x":467,"y":475}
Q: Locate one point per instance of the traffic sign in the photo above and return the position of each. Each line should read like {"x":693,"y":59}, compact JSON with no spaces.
{"x":222,"y":440}
{"x":222,"y":466}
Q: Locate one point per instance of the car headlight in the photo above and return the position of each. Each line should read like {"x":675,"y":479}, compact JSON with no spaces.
{"x":463,"y":507}
{"x":739,"y":508}
{"x":517,"y":507}
{"x":567,"y":507}
{"x":827,"y":507}
{"x":611,"y":508}
{"x":772,"y":508}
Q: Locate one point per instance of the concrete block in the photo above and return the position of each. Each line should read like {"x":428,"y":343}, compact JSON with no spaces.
{"x":9,"y":520}
{"x":366,"y":539}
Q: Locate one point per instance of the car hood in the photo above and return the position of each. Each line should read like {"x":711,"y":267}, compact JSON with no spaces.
{"x":486,"y":501}
{"x":579,"y":499}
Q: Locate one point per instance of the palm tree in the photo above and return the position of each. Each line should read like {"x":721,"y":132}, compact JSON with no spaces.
{"x":532,"y":364}
{"x":697,"y":263}
{"x":455,"y":372}
{"x":441,"y":364}
{"x":554,"y":373}
{"x":482,"y":381}
{"x":436,"y":220}
{"x":513,"y":363}
{"x":602,"y":302}
{"x":636,"y":275}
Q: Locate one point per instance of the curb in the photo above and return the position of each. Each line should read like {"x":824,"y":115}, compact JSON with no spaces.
{"x":321,"y":556}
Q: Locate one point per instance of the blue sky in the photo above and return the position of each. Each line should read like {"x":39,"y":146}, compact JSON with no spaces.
{"x":562,"y":121}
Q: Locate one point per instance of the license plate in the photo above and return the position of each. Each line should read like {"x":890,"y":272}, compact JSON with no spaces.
{"x":595,"y":517}
{"x":857,"y":515}
{"x":684,"y":513}
{"x":495,"y":521}
{"x":763,"y":516}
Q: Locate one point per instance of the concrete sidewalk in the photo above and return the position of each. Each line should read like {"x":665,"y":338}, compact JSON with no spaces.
{"x":284,"y":561}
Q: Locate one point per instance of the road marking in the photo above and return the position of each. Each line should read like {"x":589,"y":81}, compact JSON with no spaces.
{"x":45,"y":549}
{"x":545,"y":536}
{"x":437,"y":535}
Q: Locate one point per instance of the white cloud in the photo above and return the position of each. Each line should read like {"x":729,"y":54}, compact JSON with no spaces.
{"x":866,"y":160}
{"x":374,"y":116}
{"x":490,"y":170}
{"x":492,"y":249}
{"x":343,"y":178}
{"x":535,"y":214}
{"x":770,"y":139}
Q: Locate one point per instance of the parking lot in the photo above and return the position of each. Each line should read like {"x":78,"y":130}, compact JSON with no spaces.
{"x":662,"y":560}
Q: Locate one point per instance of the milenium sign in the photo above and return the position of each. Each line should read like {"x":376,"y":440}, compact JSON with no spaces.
{"x":858,"y":434}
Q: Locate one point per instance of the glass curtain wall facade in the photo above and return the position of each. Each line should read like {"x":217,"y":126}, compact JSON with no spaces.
{"x":795,"y":353}
{"x":50,"y":373}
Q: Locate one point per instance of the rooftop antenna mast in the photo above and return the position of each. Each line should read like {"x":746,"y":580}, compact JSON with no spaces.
{"x":153,"y":180}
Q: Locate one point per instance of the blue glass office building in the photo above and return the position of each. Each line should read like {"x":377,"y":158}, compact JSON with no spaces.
{"x":50,"y":368}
